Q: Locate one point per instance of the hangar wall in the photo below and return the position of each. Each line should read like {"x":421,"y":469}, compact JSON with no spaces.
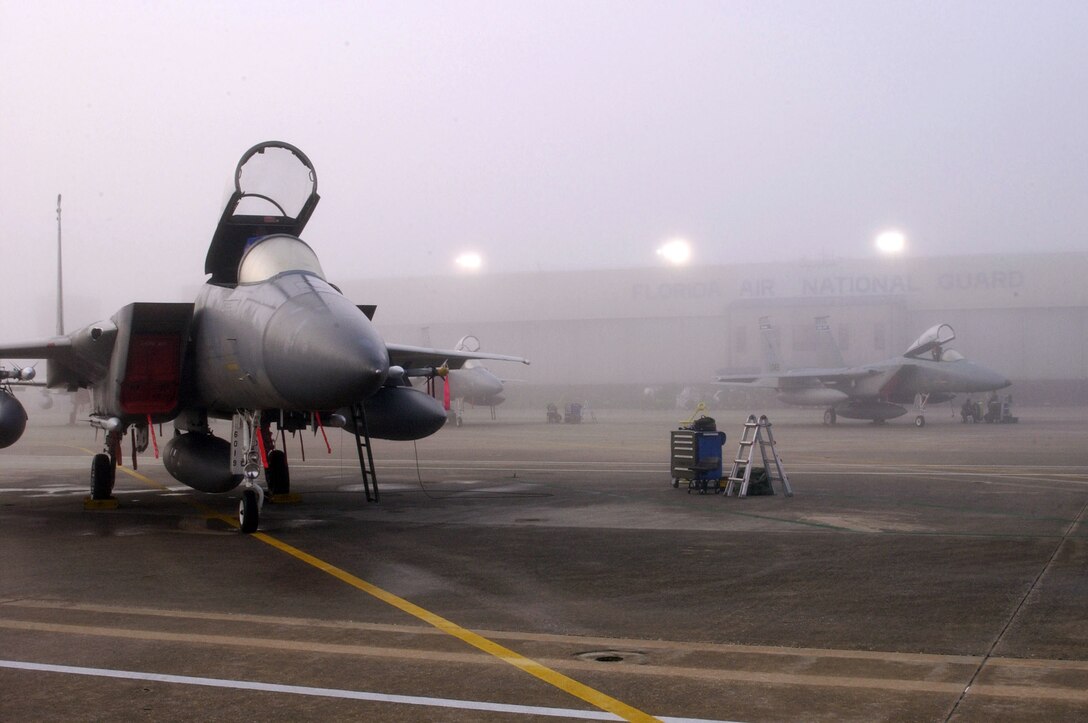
{"x":1026,"y":315}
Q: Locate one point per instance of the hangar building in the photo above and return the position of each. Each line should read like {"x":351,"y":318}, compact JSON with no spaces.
{"x":1024,"y":315}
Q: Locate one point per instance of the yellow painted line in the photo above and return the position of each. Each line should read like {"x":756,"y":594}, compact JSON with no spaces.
{"x":922,"y":683}
{"x":580,"y":641}
{"x":552,"y":677}
{"x":564,"y":683}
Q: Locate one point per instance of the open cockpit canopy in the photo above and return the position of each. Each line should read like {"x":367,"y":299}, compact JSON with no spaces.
{"x":275,"y":192}
{"x":931,"y":341}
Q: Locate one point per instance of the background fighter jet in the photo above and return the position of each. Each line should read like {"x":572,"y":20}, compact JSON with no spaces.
{"x":927,"y":372}
{"x":269,"y":341}
{"x":459,"y":369}
{"x":473,"y":383}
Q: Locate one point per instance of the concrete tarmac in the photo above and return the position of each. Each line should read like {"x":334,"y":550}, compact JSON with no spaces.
{"x":516,"y":570}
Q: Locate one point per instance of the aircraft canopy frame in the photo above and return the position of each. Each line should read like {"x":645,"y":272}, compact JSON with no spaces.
{"x":931,"y":339}
{"x":275,"y":192}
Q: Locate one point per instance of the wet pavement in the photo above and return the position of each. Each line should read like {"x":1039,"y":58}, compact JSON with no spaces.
{"x":516,"y":570}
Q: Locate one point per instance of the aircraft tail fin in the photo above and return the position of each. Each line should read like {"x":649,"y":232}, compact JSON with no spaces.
{"x":828,"y":355}
{"x":771,"y":342}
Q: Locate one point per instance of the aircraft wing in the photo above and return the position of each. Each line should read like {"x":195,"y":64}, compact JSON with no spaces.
{"x":74,"y":359}
{"x":52,"y":348}
{"x":797,"y":378}
{"x":416,"y":357}
{"x":749,"y":380}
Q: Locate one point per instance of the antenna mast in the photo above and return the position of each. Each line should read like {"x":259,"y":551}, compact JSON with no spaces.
{"x":60,"y":277}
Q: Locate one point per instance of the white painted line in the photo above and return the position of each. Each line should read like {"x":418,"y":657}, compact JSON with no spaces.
{"x":333,"y":693}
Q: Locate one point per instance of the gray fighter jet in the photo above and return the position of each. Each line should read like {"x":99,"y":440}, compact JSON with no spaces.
{"x":927,"y":372}
{"x":268,"y":342}
{"x":473,"y":383}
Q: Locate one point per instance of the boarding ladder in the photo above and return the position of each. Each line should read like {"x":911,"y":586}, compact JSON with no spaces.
{"x":756,"y":433}
{"x":362,"y":446}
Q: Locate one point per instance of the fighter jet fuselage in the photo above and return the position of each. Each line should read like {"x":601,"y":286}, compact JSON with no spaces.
{"x":291,"y":342}
{"x":476,"y":385}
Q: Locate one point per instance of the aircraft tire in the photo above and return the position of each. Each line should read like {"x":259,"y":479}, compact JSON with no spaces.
{"x":829,"y":416}
{"x":249,"y":512}
{"x":278,"y":475}
{"x":919,"y":421}
{"x":102,"y":476}
{"x":675,"y":483}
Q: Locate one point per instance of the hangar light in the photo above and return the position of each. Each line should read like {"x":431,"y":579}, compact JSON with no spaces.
{"x":675,"y":251}
{"x":469,"y":261}
{"x":891,"y":242}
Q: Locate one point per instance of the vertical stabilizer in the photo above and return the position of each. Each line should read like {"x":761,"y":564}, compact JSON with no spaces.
{"x":828,"y":355}
{"x":771,"y":346}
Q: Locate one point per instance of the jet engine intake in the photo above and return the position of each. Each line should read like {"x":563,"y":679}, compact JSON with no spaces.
{"x":201,"y":461}
{"x":400,"y":413}
{"x":12,"y":419}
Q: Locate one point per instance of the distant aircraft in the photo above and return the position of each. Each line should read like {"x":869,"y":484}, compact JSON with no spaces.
{"x":269,"y":341}
{"x":473,"y":383}
{"x":927,"y":372}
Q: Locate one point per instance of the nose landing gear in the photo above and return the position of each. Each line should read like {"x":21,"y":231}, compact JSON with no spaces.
{"x":249,"y":508}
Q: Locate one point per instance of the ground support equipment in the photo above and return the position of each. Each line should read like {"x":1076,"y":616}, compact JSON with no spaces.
{"x":697,"y":458}
{"x":757,"y":432}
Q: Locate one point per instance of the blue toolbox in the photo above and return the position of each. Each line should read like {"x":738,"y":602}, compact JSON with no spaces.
{"x":697,"y":456}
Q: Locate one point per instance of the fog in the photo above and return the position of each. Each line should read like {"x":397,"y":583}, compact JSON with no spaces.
{"x":547,"y":136}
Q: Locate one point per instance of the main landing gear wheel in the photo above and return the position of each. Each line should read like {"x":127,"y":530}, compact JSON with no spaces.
{"x":919,"y":421}
{"x":278,"y":476}
{"x":829,"y":416}
{"x":103,"y":474}
{"x":249,"y":511}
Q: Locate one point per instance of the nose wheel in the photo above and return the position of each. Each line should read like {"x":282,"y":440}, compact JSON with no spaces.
{"x":922,"y":400}
{"x":249,"y":509}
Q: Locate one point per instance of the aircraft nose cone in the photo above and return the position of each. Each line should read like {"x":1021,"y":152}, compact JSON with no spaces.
{"x":321,"y":352}
{"x":492,"y":386}
{"x":986,"y":379}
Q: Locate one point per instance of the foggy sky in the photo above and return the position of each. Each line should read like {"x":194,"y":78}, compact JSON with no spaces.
{"x":552,"y":135}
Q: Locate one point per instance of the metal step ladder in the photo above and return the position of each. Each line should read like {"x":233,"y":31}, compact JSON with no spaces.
{"x":757,"y":432}
{"x":366,"y":456}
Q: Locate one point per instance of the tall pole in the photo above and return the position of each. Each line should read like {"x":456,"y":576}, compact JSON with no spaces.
{"x":60,"y":277}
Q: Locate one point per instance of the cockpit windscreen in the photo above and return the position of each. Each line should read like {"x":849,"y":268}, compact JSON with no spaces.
{"x":273,"y":255}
